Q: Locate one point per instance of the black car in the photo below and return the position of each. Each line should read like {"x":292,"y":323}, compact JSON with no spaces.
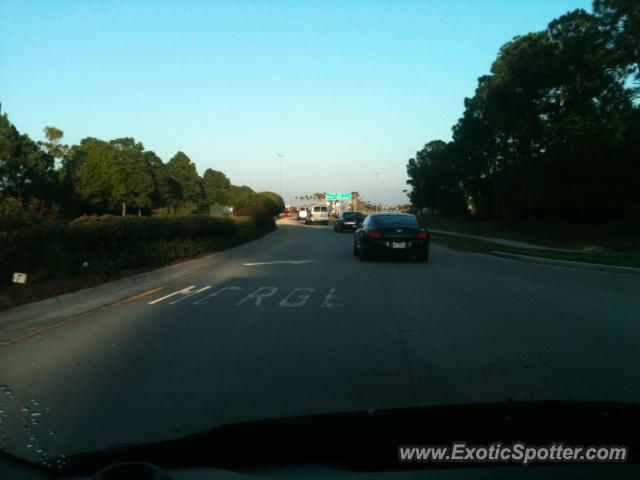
{"x":348,"y":221}
{"x":393,"y":233}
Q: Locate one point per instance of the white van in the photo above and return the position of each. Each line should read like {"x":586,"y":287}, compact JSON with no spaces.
{"x":318,"y":214}
{"x":303,"y":214}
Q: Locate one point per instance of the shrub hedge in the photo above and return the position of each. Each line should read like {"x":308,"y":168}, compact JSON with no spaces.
{"x":48,"y":248}
{"x":261,"y":214}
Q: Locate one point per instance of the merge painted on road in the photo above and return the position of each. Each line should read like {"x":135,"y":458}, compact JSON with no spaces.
{"x":267,"y":295}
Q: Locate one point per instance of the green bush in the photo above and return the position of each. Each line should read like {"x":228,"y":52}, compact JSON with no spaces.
{"x":263,"y":218}
{"x":25,"y":230}
{"x":48,"y":248}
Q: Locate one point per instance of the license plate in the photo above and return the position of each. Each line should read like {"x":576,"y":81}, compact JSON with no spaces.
{"x":398,"y":245}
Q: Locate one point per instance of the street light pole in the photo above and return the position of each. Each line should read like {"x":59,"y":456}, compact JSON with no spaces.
{"x":377,"y":188}
{"x":280,"y":155}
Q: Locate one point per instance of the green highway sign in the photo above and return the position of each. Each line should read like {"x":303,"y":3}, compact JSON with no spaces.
{"x":337,"y":196}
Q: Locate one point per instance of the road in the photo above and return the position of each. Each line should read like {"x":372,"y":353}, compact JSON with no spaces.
{"x":302,"y":327}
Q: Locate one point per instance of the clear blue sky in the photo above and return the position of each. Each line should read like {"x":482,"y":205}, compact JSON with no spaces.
{"x":342,"y":88}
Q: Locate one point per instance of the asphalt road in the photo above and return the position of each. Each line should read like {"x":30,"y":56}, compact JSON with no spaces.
{"x":302,"y":327}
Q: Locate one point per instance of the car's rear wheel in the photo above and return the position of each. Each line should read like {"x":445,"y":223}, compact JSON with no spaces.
{"x":365,"y":255}
{"x":423,"y":256}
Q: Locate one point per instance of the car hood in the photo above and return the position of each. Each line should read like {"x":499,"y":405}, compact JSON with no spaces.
{"x":369,"y":440}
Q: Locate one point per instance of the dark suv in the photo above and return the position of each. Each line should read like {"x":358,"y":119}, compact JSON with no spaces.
{"x":348,"y":221}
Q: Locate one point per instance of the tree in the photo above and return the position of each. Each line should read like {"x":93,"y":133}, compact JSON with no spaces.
{"x":434,"y":179}
{"x":241,"y":197}
{"x":92,"y":170}
{"x":216,"y":187}
{"x":135,"y":175}
{"x":183,"y":171}
{"x":52,"y":144}
{"x":26,"y":171}
{"x":552,"y":131}
{"x":271,"y":201}
{"x":619,"y":21}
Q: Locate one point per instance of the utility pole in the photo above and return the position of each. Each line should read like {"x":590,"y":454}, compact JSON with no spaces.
{"x":376,"y":174}
{"x":280,"y":155}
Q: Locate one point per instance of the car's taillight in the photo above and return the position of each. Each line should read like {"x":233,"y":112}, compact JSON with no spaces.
{"x":375,"y":234}
{"x":422,"y":235}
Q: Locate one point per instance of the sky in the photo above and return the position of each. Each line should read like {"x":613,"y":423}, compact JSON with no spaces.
{"x":347,"y":91}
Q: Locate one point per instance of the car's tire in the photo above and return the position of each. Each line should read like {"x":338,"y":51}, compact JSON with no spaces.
{"x":423,"y":256}
{"x":365,"y":255}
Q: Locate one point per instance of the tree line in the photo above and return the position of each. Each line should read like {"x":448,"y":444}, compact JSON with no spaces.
{"x":552,"y":132}
{"x":118,"y":176}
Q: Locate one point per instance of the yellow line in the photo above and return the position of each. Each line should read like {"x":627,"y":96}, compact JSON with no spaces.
{"x":43,"y":329}
{"x":134,"y":297}
{"x":67,"y":321}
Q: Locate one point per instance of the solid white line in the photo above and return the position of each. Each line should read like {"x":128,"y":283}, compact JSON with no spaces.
{"x":190,"y":294}
{"x":276,"y":262}
{"x":184,"y":290}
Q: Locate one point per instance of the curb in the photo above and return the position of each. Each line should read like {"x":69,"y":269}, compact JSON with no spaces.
{"x":32,"y":316}
{"x":593,"y":267}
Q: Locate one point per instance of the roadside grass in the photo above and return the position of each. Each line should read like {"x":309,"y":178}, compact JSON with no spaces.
{"x":609,"y":243}
{"x":558,"y":234}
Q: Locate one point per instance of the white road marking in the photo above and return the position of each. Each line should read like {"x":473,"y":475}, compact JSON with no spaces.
{"x":331,"y":300}
{"x":184,"y":290}
{"x":258,"y":295}
{"x":297,"y":297}
{"x":216,"y":293}
{"x":187,"y":295}
{"x":278,"y":262}
{"x":302,"y":297}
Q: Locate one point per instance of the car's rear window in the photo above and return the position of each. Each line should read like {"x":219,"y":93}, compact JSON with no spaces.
{"x":319,"y":209}
{"x":348,"y":215}
{"x":408,"y":220}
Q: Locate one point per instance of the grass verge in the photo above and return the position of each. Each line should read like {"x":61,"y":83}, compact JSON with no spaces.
{"x":583,"y":236}
{"x":626,"y":257}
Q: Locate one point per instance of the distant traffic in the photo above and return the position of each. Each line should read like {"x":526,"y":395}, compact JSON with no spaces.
{"x":375,"y":235}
